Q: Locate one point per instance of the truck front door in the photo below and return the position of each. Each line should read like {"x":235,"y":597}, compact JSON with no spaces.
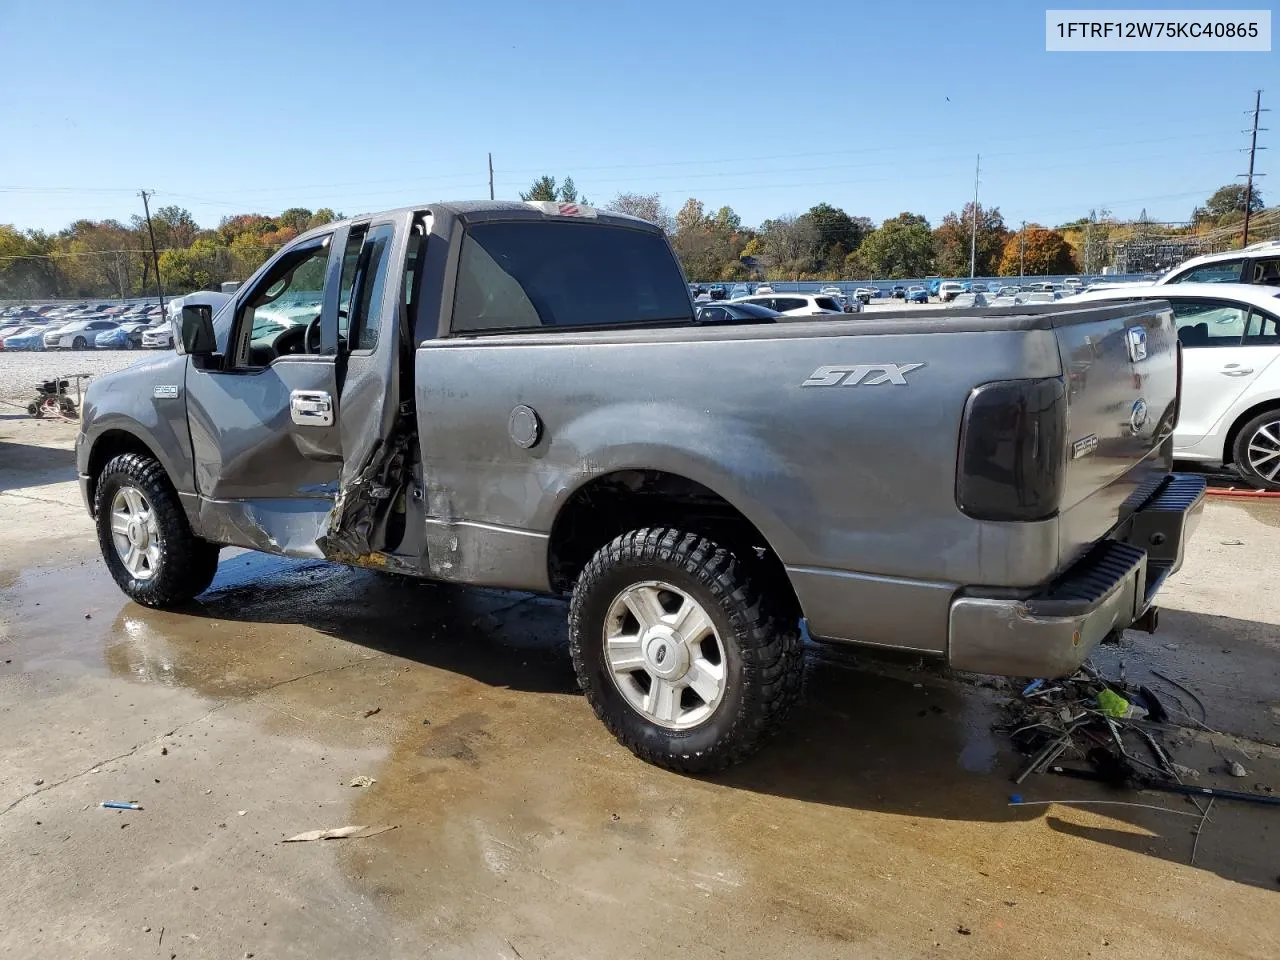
{"x":305,"y":388}
{"x":263,"y":414}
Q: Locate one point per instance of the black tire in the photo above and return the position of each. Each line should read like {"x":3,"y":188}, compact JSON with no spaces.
{"x":79,"y":343}
{"x":1269,"y":419}
{"x":34,"y":409}
{"x":763,"y":658}
{"x":187,"y":563}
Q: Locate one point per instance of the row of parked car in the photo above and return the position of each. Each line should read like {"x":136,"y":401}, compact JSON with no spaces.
{"x":84,"y":326}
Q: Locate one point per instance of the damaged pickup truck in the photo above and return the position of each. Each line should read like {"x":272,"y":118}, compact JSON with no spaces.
{"x":520,"y":395}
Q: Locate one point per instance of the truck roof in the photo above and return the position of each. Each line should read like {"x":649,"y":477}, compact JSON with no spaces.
{"x":478,"y":210}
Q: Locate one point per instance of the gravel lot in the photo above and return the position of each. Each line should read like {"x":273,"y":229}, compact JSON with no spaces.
{"x":20,"y":372}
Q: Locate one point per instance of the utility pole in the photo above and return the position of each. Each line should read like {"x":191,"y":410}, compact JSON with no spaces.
{"x":1253,"y":150}
{"x":1022,"y":252}
{"x":155,"y":256}
{"x":973,"y":235}
{"x":490,"y":175}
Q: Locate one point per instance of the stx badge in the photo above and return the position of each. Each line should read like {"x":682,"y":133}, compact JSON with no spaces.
{"x":861,"y":374}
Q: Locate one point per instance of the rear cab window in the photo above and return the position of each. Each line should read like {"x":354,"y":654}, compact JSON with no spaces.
{"x":534,"y":274}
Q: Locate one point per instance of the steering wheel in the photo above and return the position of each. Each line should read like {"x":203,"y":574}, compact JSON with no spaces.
{"x":312,"y":328}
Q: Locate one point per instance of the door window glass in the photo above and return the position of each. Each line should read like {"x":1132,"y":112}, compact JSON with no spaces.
{"x":1262,"y":330}
{"x":291,"y":294}
{"x":782,"y":304}
{"x":367,"y":314}
{"x":1209,"y":323}
{"x":1224,"y":271}
{"x":826,"y":303}
{"x":1267,"y":271}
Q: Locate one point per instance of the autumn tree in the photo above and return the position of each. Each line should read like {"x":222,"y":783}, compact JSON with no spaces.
{"x":788,"y":247}
{"x":902,"y":247}
{"x":953,"y":236}
{"x":709,"y":246}
{"x":1037,"y":251}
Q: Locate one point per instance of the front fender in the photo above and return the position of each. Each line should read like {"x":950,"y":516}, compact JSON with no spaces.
{"x":146,"y":401}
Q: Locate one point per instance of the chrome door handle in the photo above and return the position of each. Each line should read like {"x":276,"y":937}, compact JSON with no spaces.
{"x":1235,"y":370}
{"x":311,"y":408}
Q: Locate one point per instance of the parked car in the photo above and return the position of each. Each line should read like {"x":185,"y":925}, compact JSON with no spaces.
{"x":739,"y":290}
{"x":763,"y":288}
{"x":77,"y":335}
{"x":933,"y":286}
{"x":977,"y":286}
{"x":717,"y":291}
{"x":1230,"y":335}
{"x":863,"y":295}
{"x":730,"y":311}
{"x":1258,"y":263}
{"x":555,"y":432}
{"x":1007,"y":291}
{"x":1072,"y":285}
{"x":160,"y":337}
{"x":126,"y":336}
{"x":898,"y":291}
{"x":29,"y":338}
{"x":948,"y":290}
{"x":795,"y":304}
{"x":916,"y":294}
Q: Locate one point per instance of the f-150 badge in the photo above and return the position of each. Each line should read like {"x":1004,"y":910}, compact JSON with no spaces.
{"x":861,"y":374}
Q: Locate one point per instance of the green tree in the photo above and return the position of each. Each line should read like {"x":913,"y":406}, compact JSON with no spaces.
{"x":1226,"y":205}
{"x":901,"y":248}
{"x":201,"y":266}
{"x":27,"y":271}
{"x":789,"y":247}
{"x":953,"y":236}
{"x":299,"y":218}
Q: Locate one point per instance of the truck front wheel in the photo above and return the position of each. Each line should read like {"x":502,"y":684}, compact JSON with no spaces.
{"x":679,"y":652}
{"x":145,"y":539}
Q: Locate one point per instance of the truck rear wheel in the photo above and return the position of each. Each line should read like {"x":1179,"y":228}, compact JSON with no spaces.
{"x":679,"y":652}
{"x":144,"y":535}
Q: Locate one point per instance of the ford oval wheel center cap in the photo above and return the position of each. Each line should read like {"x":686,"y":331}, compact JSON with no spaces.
{"x":664,"y":654}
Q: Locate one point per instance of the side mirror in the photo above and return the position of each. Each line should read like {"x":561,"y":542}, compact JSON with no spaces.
{"x":195,"y":333}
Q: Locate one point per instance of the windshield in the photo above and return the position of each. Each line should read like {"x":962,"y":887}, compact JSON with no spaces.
{"x":528,"y":274}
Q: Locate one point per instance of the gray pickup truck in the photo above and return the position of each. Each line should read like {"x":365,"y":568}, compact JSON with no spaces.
{"x":519,"y":395}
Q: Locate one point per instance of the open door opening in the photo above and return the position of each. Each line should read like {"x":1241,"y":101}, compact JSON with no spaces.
{"x":370,"y":516}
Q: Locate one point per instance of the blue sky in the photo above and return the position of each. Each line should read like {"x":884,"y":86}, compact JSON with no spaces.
{"x":770,"y":108}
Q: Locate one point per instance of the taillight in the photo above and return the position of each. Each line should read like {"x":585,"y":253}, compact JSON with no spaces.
{"x":1013,"y":450}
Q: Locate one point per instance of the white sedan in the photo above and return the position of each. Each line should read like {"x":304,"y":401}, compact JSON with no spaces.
{"x":77,"y":335}
{"x":1230,"y":410}
{"x":798,"y":304}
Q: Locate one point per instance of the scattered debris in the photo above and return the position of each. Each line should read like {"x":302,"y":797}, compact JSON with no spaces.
{"x":372,"y":712}
{"x":1233,"y":543}
{"x":120,"y":805}
{"x":241,"y":813}
{"x":963,"y":930}
{"x":363,"y":781}
{"x":338,"y":833}
{"x":39,"y":783}
{"x":1236,"y":769}
{"x":1186,"y":773}
{"x":164,"y":751}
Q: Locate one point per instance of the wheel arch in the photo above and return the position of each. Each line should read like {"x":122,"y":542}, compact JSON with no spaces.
{"x":108,"y":445}
{"x":1229,"y":443}
{"x":614,"y":503}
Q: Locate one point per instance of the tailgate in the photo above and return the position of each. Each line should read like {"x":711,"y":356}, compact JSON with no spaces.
{"x":1120,"y":363}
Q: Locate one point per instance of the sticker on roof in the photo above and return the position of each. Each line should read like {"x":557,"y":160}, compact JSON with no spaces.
{"x":556,"y":208}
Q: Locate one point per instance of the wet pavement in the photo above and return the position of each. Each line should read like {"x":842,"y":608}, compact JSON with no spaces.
{"x":877,"y":824}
